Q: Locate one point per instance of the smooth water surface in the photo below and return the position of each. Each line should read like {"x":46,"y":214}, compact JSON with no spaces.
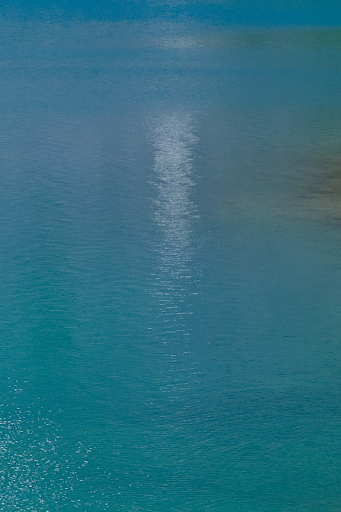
{"x":170,"y":240}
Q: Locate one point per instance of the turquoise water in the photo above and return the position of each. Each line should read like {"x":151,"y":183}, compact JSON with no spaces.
{"x":170,"y":238}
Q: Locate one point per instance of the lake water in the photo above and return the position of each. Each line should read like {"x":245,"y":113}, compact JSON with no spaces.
{"x":170,"y":240}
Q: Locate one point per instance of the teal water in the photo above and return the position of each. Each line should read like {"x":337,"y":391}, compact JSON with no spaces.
{"x":170,"y":238}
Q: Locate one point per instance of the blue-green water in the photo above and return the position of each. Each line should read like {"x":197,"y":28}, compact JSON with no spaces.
{"x":170,"y":240}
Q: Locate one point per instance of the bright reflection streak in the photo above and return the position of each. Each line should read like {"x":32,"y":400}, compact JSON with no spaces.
{"x":174,"y":140}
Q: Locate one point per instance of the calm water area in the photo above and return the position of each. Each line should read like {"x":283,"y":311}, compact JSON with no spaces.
{"x":170,"y":254}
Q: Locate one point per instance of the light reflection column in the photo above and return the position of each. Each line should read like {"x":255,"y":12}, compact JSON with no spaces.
{"x":174,"y":142}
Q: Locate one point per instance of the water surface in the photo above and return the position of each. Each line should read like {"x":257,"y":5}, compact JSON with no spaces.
{"x":170,"y":239}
